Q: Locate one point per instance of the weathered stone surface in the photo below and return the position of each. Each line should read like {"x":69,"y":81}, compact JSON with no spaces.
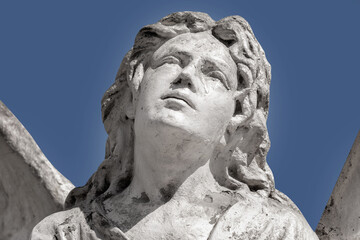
{"x":186,"y":152}
{"x":341,"y":217}
{"x":30,"y":187}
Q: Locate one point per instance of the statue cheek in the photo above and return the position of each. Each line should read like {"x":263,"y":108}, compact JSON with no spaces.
{"x":221,"y":105}
{"x":217,"y":112}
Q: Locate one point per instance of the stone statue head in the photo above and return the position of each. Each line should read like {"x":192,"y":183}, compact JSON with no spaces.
{"x":227,"y":53}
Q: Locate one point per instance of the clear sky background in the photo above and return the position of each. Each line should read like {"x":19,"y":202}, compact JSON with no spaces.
{"x":57,"y":58}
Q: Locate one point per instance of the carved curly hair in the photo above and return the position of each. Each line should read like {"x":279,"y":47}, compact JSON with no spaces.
{"x":241,"y":162}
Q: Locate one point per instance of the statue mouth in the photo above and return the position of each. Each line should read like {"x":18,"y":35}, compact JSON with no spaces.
{"x":178,"y":96}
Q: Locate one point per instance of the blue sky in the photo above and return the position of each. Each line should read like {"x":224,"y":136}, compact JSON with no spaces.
{"x":58,"y":58}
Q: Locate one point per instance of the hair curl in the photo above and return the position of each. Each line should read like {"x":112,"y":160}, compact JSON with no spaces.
{"x":243,"y":162}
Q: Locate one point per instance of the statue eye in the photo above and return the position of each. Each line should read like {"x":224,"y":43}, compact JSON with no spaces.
{"x":171,"y":60}
{"x":217,"y":75}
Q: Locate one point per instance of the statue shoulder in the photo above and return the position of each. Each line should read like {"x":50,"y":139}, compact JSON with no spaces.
{"x":69,"y":224}
{"x":259,"y":217}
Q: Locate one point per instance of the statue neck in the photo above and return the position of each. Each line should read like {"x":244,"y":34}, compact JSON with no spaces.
{"x":160,"y":169}
{"x":159,"y":191}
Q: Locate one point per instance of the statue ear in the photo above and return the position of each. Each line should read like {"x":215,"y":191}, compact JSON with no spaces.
{"x":135,"y":87}
{"x":244,"y":108}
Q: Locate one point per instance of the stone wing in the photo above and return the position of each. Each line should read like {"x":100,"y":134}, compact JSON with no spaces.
{"x":30,"y":187}
{"x":341,"y":217}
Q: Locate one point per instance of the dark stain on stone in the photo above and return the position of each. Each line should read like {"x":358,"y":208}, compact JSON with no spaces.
{"x":208,"y":198}
{"x":167,"y":192}
{"x":67,"y":220}
{"x":89,"y":217}
{"x":142,"y":199}
{"x":71,"y":228}
{"x":213,"y":220}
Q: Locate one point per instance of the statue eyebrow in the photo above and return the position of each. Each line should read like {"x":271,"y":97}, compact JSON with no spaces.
{"x":180,"y":53}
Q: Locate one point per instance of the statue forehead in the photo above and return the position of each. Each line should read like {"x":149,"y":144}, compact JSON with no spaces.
{"x":202,"y":42}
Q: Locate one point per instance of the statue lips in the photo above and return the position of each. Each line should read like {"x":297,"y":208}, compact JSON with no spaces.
{"x":179,"y":97}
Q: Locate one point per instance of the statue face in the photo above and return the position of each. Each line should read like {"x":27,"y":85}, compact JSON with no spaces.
{"x":189,"y":85}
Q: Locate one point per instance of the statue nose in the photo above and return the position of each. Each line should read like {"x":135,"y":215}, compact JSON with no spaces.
{"x":183,"y":81}
{"x":186,"y":79}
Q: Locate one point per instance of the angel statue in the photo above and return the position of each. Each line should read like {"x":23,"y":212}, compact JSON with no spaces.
{"x":187,"y":143}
